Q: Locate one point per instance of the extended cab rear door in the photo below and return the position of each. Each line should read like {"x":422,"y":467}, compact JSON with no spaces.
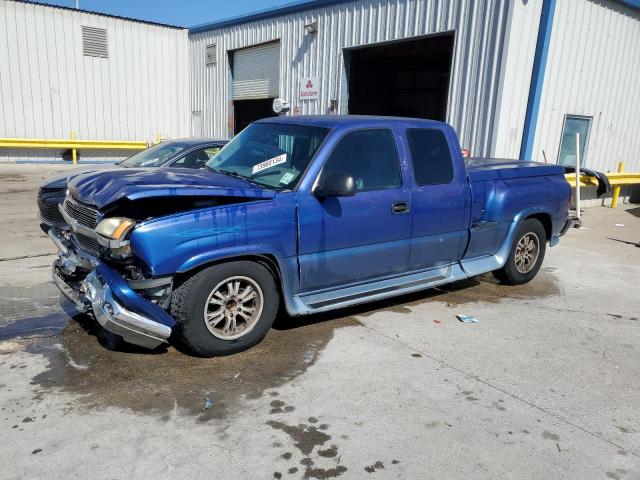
{"x":441,"y":197}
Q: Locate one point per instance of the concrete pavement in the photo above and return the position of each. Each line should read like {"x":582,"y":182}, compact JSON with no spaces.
{"x":543,"y":387}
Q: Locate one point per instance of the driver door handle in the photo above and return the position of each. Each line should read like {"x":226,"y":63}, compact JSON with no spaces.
{"x":400,"y":207}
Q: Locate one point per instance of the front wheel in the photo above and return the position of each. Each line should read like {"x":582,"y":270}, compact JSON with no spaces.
{"x":527,"y":253}
{"x":225,"y":308}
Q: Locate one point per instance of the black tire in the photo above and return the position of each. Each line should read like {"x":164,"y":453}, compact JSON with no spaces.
{"x":188,"y":308}
{"x":511,"y":274}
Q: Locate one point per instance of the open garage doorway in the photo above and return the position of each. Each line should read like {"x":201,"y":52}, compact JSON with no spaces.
{"x":406,"y":78}
{"x":247,"y":111}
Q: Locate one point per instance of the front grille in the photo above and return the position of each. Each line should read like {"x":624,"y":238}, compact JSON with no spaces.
{"x":85,"y":215}
{"x":91,"y":245}
{"x":48,"y":202}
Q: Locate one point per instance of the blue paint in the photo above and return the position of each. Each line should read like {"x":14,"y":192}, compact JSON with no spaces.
{"x":294,"y":7}
{"x":126,"y":296}
{"x":631,"y":3}
{"x":101,"y":188}
{"x":336,"y":251}
{"x":537,"y":78}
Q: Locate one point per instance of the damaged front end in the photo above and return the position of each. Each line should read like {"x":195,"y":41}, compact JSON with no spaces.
{"x":94,"y":286}
{"x":98,"y":267}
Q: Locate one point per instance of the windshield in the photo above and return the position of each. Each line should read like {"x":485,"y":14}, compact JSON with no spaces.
{"x":156,"y":155}
{"x":271,"y":154}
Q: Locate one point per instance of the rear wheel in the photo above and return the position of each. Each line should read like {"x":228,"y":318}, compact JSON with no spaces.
{"x":225,"y":308}
{"x":527,"y":254}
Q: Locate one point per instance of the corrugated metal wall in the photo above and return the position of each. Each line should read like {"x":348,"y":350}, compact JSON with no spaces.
{"x":473,"y":92}
{"x":519,"y":51}
{"x":593,"y":69}
{"x":49,"y":89}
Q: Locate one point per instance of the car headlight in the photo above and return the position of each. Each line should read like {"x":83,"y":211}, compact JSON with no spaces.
{"x":112,"y":231}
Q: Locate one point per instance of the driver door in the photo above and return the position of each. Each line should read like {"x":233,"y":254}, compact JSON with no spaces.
{"x":348,"y":240}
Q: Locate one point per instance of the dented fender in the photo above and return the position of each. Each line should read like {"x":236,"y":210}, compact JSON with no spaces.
{"x":186,"y":240}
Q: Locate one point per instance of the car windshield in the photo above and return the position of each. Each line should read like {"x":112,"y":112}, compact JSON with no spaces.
{"x":271,"y":154}
{"x":156,"y":155}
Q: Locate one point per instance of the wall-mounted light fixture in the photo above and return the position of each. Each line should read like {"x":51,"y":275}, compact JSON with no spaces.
{"x":311,"y":27}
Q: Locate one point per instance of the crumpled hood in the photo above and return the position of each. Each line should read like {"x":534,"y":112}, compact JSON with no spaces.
{"x":60,"y":181}
{"x":102,"y":188}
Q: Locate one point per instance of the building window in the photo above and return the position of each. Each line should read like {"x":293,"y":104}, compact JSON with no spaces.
{"x":573,"y":124}
{"x":94,"y":42}
{"x":210,"y":54}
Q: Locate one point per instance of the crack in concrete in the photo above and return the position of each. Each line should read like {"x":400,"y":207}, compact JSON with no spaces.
{"x":8,"y":259}
{"x":499,"y":389}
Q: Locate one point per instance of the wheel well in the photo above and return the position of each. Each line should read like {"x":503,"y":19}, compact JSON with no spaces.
{"x":545,"y":220}
{"x":266,"y":260}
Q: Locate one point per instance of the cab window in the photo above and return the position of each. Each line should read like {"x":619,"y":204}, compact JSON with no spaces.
{"x":431,"y":156}
{"x":370,"y":157}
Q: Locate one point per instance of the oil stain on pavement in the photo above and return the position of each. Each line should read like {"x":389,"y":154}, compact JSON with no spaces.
{"x":483,"y":288}
{"x":86,"y":360}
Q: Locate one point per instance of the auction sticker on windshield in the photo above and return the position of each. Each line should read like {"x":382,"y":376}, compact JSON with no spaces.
{"x":272,"y":162}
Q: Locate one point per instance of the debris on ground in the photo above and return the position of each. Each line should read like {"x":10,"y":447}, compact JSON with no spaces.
{"x":208,"y":403}
{"x":619,"y":224}
{"x":437,"y":322}
{"x":9,"y":347}
{"x":467,"y":319}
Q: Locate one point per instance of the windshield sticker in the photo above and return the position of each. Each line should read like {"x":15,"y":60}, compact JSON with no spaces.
{"x":287,"y":177}
{"x":272,"y":162}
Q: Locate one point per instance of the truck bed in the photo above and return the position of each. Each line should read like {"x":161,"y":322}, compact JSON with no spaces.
{"x":503,"y":191}
{"x":501,"y":168}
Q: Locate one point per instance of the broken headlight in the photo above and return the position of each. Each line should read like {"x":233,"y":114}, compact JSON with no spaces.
{"x":112,"y":233}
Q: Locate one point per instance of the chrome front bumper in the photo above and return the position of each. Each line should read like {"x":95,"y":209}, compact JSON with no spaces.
{"x":113,"y":316}
{"x":94,"y":294}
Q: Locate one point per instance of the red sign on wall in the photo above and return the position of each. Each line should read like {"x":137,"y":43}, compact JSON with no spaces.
{"x":309,"y":88}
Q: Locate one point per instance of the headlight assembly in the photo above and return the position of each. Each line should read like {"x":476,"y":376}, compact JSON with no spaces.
{"x":113,"y":231}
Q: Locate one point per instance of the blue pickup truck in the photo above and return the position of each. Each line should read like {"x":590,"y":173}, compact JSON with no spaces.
{"x":306,"y":213}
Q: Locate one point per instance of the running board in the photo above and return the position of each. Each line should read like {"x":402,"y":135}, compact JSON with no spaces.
{"x":378,"y":290}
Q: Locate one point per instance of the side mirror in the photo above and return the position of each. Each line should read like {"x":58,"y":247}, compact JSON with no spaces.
{"x":335,"y":184}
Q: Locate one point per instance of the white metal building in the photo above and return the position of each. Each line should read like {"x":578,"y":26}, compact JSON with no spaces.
{"x":513,"y":77}
{"x":102,"y":77}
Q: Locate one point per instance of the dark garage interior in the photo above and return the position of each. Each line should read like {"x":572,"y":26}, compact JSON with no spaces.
{"x":407,"y":79}
{"x":247,"y":111}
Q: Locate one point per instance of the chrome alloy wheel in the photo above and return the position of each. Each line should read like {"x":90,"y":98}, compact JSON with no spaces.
{"x":233,"y":308}
{"x":527,"y":252}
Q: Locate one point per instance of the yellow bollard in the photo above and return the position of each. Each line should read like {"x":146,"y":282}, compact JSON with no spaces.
{"x":158,"y":137}
{"x":74,"y":153}
{"x":616,"y":189}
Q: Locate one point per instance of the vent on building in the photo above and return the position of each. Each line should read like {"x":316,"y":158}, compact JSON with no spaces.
{"x":94,"y":42}
{"x":210,"y":54}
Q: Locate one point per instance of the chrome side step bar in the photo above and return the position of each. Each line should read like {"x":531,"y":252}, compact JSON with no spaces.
{"x":344,"y":297}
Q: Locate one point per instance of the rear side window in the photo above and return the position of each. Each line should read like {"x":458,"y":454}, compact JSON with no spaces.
{"x":370,"y":157}
{"x":432,"y":163}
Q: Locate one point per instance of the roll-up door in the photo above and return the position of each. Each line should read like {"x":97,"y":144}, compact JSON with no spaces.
{"x":256,"y":72}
